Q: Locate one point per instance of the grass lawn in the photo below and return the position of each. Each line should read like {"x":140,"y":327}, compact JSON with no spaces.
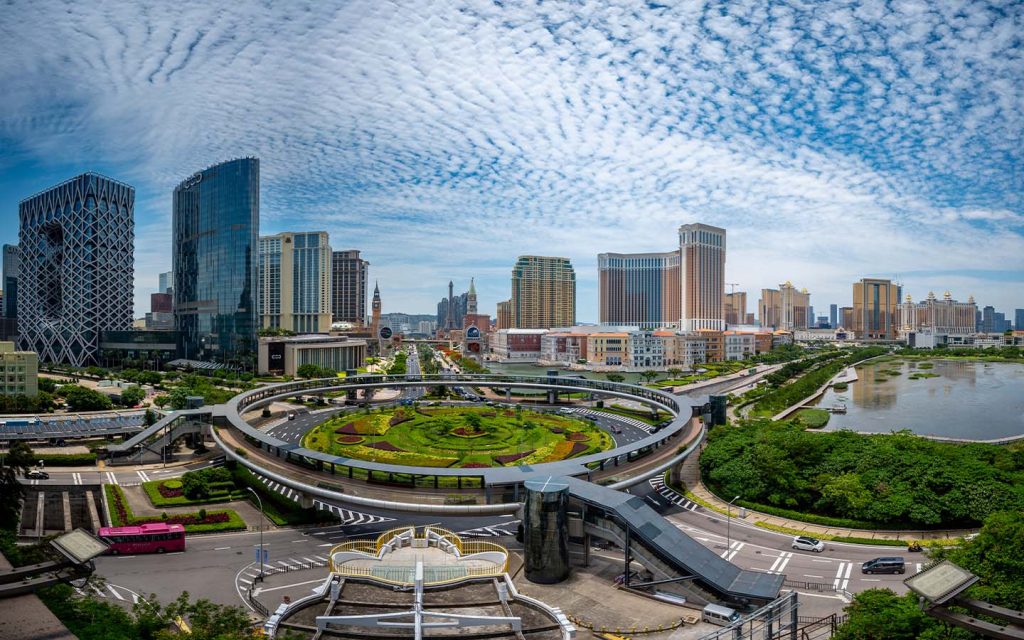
{"x":813,"y":418}
{"x":457,"y":437}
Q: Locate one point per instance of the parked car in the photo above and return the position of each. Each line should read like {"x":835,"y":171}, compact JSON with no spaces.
{"x":36,"y":474}
{"x":805,"y":543}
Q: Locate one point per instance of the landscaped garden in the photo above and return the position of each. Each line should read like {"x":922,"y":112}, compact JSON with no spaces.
{"x":476,"y":437}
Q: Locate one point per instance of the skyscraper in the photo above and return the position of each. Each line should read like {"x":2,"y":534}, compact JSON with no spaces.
{"x":1018,"y":319}
{"x":77,"y":267}
{"x":543,"y":293}
{"x":348,"y":286}
{"x":503,"y":313}
{"x":638,"y":289}
{"x":216,"y":256}
{"x":295,"y":282}
{"x":833,"y":316}
{"x":736,"y":307}
{"x":875,"y":306}
{"x":9,"y":311}
{"x":166,"y":282}
{"x":702,"y":257}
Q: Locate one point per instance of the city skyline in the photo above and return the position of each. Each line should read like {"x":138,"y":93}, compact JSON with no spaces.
{"x":888,"y":146}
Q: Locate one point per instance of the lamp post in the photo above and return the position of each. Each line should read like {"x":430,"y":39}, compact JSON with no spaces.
{"x":728,"y":523}
{"x":253,"y":492}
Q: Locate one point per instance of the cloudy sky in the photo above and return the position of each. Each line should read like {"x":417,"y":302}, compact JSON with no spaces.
{"x":834,"y":140}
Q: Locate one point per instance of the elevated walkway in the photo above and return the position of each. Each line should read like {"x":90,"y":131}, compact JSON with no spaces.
{"x":153,"y":440}
{"x":667,"y":552}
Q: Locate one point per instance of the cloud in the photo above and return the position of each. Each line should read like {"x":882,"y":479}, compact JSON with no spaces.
{"x":831,"y":139}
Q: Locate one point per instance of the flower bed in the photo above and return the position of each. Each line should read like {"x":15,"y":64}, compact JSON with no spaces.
{"x":556,"y":430}
{"x":577,"y":436}
{"x":349,"y":439}
{"x":348,"y":429}
{"x":384,"y":446}
{"x":170,"y":491}
{"x":476,"y":465}
{"x":512,"y":457}
{"x":121,"y":516}
{"x":464,"y":432}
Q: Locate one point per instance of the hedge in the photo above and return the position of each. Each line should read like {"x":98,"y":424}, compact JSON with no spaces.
{"x":277,"y":508}
{"x":152,"y":489}
{"x":66,"y":460}
{"x":121,"y":515}
{"x":827,"y":521}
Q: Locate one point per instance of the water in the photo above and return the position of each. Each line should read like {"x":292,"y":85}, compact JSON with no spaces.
{"x":974,"y":400}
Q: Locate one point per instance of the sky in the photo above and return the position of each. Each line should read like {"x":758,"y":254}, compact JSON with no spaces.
{"x":833,"y":140}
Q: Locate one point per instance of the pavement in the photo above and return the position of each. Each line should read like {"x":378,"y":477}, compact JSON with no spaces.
{"x":689,"y":473}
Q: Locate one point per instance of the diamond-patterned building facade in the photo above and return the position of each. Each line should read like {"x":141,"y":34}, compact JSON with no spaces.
{"x":76,"y":279}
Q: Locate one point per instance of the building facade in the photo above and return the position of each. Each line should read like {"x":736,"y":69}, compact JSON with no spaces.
{"x":931,"y":315}
{"x":349,"y":274}
{"x":702,"y":261}
{"x":11,"y":265}
{"x":516,"y":345}
{"x":504,"y":315}
{"x":785,"y":308}
{"x":166,"y":282}
{"x":295,"y":282}
{"x":738,"y":345}
{"x":216,"y":262}
{"x":284,"y":355}
{"x":19,"y":371}
{"x":543,"y":293}
{"x":639,"y":289}
{"x":76,"y":277}
{"x":736,"y":308}
{"x":875,"y":304}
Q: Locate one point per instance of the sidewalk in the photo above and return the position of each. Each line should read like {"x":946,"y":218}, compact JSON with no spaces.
{"x":689,"y":473}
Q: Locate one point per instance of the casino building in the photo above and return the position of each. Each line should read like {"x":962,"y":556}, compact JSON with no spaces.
{"x":284,"y":355}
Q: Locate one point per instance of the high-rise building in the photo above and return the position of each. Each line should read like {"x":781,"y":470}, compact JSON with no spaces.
{"x":988,"y":319}
{"x":504,"y":315}
{"x":640,"y":289}
{"x":846,"y":318}
{"x":702,"y":258}
{"x":946,"y":316}
{"x":875,"y":303}
{"x":216,"y":262}
{"x":736,"y":307}
{"x":833,"y":316}
{"x":1018,"y":319}
{"x":11,"y":265}
{"x":161,"y":303}
{"x":543,"y":293}
{"x":785,"y":308}
{"x":348,"y":286}
{"x":769,"y":308}
{"x":77,"y":267}
{"x":295,"y":282}
{"x":19,"y":371}
{"x":166,"y":282}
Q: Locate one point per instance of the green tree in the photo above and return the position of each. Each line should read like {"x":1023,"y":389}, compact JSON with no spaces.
{"x":132,"y":396}
{"x":474,"y":420}
{"x":83,"y":399}
{"x":162,"y":400}
{"x":49,"y":385}
{"x":309,"y":371}
{"x":178,"y":398}
{"x":615,"y":377}
{"x":649,"y":376}
{"x":879,"y":614}
{"x":149,"y":418}
{"x":675,"y":372}
{"x":15,"y":463}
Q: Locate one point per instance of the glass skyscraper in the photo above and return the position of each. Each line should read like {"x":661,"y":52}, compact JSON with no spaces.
{"x":216,"y":251}
{"x":76,"y":278}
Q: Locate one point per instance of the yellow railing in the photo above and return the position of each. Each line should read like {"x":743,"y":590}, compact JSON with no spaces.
{"x":389,"y":535}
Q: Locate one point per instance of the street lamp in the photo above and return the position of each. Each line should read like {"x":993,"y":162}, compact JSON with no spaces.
{"x":728,"y":522}
{"x":253,"y":492}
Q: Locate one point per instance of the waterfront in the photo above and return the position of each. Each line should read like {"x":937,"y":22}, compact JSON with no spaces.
{"x":951,"y":398}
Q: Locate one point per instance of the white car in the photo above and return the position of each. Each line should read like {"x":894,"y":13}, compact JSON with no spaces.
{"x":808,"y":544}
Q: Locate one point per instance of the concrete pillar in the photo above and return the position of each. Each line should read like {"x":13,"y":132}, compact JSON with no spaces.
{"x":40,"y":507}
{"x":94,"y":514}
{"x":66,"y":498}
{"x":546,"y":530}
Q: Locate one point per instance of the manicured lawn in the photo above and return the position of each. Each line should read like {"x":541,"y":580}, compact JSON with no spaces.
{"x":121,"y":514}
{"x":457,"y":437}
{"x":813,"y":418}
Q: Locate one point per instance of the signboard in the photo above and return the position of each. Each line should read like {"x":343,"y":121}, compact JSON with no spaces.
{"x":472,"y":333}
{"x":266,"y":555}
{"x":385,"y":333}
{"x":79,"y":546}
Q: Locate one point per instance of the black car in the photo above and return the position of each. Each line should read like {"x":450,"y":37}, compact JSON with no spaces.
{"x":893,"y":564}
{"x":36,"y":474}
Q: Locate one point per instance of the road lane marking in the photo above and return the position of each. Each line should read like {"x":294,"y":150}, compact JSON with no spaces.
{"x":142,"y":474}
{"x":116,"y":594}
{"x":809,"y":575}
{"x":287,"y":586}
{"x":785,"y":561}
{"x":220,"y":548}
{"x":111,"y":478}
{"x":77,"y":477}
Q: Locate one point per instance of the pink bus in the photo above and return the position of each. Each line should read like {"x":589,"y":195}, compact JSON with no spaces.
{"x":156,"y":537}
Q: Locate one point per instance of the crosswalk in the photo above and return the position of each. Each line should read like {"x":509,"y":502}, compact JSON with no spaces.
{"x":504,"y":529}
{"x":143,"y":475}
{"x":77,"y":477}
{"x":780,"y":563}
{"x":643,"y":426}
{"x":733,"y":549}
{"x":842,"y":579}
{"x":347,"y":516}
{"x":249,"y":575}
{"x":111,"y":591}
{"x":658,"y":484}
{"x":111,"y":478}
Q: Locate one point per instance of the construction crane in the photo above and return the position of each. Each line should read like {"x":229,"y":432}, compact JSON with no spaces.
{"x":733,"y":285}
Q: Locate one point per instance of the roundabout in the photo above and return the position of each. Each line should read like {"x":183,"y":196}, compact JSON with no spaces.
{"x":462,"y":437}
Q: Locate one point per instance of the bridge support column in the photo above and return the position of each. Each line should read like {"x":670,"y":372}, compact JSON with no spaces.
{"x":552,"y":396}
{"x":546,"y":530}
